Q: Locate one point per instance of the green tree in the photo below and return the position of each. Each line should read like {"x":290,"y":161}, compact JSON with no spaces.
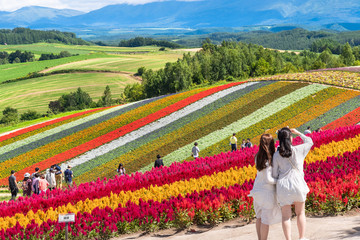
{"x":134,"y":92}
{"x":347,"y":55}
{"x":106,"y":99}
{"x":29,"y":115}
{"x":9,"y":115}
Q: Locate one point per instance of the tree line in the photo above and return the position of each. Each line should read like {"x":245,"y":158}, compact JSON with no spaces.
{"x":26,"y":56}
{"x":28,"y":36}
{"x":232,"y":60}
{"x":141,"y":41}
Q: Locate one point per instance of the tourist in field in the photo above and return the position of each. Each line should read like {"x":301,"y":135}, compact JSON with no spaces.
{"x":43,"y":184}
{"x":233,"y":142}
{"x":308,"y":130}
{"x":121,"y":169}
{"x":243,"y":144}
{"x":68,"y":176}
{"x":50,"y":177}
{"x":265,"y":204}
{"x":58,"y":176}
{"x":37,"y":170}
{"x":291,"y":188}
{"x":158,"y":162}
{"x":26,"y":185}
{"x":248,"y":144}
{"x":195,"y":151}
{"x":13,"y":185}
{"x":35,"y":184}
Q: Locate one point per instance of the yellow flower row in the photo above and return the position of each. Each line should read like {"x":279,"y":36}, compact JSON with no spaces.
{"x":156,"y":193}
{"x":160,"y":145}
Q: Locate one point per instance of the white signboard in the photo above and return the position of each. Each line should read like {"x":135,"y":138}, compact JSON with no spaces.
{"x":66,"y":218}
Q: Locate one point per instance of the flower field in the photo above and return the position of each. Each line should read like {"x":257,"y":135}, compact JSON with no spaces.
{"x":96,"y":141}
{"x":203,"y":191}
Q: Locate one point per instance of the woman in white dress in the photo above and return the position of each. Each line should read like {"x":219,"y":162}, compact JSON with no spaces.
{"x":291,"y":187}
{"x":266,"y":208}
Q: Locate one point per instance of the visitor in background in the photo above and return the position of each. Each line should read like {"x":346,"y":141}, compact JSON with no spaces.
{"x":43,"y":184}
{"x":248,"y":144}
{"x":233,"y":142}
{"x":121,"y":169}
{"x":243,"y":144}
{"x":13,"y":186}
{"x":35,"y":184}
{"x":291,"y":188}
{"x":37,"y":170}
{"x":50,"y":177}
{"x":68,"y":176}
{"x":264,"y":190}
{"x":26,"y":185}
{"x":58,"y":176}
{"x":308,"y":130}
{"x":158,"y":162}
{"x":195,"y":150}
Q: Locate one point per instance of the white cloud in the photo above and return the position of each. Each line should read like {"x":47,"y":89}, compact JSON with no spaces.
{"x":82,"y":5}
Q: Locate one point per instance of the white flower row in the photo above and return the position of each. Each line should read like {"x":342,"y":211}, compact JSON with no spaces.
{"x":153,"y":126}
{"x":257,"y":116}
{"x":58,"y":129}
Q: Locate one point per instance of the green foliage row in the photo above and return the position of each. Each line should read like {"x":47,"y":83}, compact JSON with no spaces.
{"x":141,"y":41}
{"x":16,"y":57}
{"x":28,"y":36}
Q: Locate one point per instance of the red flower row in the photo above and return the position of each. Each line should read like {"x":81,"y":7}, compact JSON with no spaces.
{"x":351,"y":118}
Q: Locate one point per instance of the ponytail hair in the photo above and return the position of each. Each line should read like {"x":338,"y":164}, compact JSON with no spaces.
{"x":266,"y":151}
{"x":284,"y":136}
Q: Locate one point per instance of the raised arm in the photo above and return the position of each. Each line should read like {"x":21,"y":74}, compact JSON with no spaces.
{"x":275,"y":168}
{"x":303,"y":149}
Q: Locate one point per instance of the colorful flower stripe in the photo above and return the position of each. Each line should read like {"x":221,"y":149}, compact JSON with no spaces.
{"x":66,"y":143}
{"x":160,"y":176}
{"x":332,"y":115}
{"x":146,"y":144}
{"x":18,"y":132}
{"x":125,"y":129}
{"x":337,"y":78}
{"x":154,"y":193}
{"x":160,"y":123}
{"x":229,"y":156}
{"x":321,"y":107}
{"x":38,"y":140}
{"x":351,"y":118}
{"x":37,"y":128}
{"x":243,"y":123}
{"x":203,"y":126}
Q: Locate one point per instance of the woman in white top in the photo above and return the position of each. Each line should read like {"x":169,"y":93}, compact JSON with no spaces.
{"x":291,"y":187}
{"x":265,"y":205}
{"x":121,"y":170}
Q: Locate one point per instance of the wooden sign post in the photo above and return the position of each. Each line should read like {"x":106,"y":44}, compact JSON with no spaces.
{"x":66,"y":218}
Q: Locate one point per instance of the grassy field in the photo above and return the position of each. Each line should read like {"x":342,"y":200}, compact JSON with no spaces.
{"x":37,"y":93}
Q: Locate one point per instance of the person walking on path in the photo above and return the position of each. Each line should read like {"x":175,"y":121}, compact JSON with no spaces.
{"x":68,"y":176}
{"x":26,"y":185}
{"x":35,"y":184}
{"x":121,"y":170}
{"x":13,"y":185}
{"x":58,"y":176}
{"x":158,"y":162}
{"x":291,"y":188}
{"x":265,"y":204}
{"x":233,"y":142}
{"x":195,"y":151}
{"x":50,"y":177}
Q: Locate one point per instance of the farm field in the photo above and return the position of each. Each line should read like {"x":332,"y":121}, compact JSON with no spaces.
{"x":36,"y":93}
{"x":134,"y":134}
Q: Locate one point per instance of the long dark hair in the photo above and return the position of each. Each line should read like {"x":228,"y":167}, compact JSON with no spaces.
{"x":266,"y":151}
{"x":284,"y":136}
{"x":120,"y":165}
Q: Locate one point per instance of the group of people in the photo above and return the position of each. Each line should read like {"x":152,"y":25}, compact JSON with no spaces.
{"x":245,"y":143}
{"x":280,"y":183}
{"x":38,"y":182}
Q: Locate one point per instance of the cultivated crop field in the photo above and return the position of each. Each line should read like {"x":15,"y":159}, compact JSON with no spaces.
{"x":36,"y":93}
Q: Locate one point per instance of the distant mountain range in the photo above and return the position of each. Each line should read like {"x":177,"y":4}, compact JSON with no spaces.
{"x":192,"y":15}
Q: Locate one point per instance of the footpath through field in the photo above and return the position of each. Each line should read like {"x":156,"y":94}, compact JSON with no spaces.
{"x":330,"y":228}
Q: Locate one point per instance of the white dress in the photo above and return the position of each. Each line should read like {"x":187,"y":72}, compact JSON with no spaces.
{"x":263,"y":192}
{"x":291,"y":186}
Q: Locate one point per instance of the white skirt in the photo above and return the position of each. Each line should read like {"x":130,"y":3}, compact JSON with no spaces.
{"x":265,"y":206}
{"x":291,"y":188}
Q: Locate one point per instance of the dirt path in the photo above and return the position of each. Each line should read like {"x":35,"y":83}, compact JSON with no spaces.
{"x":340,"y":227}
